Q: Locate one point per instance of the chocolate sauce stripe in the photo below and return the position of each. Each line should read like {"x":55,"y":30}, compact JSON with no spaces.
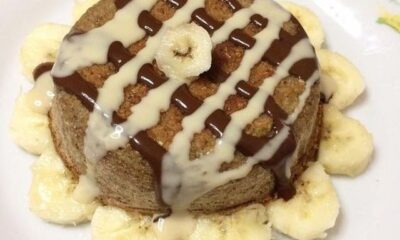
{"x":242,"y":39}
{"x":75,"y":85}
{"x":238,"y":37}
{"x":234,"y":5}
{"x":201,"y":18}
{"x":153,"y":153}
{"x":118,"y":55}
{"x":149,"y":23}
{"x":119,"y":4}
{"x":42,"y":69}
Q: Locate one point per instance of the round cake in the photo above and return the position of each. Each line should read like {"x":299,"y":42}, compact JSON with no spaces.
{"x":237,"y":133}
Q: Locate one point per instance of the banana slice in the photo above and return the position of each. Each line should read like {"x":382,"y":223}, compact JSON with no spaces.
{"x":111,"y":223}
{"x":29,"y":128}
{"x":312,"y":211}
{"x":348,"y":82}
{"x":51,"y":192}
{"x":185,"y":52}
{"x":81,"y":6}
{"x":41,"y":45}
{"x":346,"y":146}
{"x":248,"y":224}
{"x":309,"y":21}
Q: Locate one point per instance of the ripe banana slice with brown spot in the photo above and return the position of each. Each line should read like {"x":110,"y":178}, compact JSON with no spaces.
{"x":185,"y":52}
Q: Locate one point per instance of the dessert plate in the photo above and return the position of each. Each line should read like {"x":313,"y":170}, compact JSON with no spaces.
{"x":370,"y":206}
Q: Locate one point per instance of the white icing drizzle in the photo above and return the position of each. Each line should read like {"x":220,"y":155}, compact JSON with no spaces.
{"x":92,"y":47}
{"x":41,"y":95}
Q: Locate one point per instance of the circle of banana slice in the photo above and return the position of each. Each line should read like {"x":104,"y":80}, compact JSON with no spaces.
{"x":185,"y":52}
{"x":346,"y":148}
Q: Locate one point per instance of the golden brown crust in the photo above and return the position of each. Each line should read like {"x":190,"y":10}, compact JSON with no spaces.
{"x":125,"y":179}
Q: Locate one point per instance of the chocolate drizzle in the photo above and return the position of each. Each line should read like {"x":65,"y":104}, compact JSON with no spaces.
{"x":149,"y":23}
{"x":153,"y":153}
{"x":244,"y":90}
{"x":242,"y":39}
{"x":118,"y":55}
{"x":119,"y":4}
{"x":259,"y":20}
{"x":280,"y":48}
{"x":177,"y":3}
{"x":41,"y":69}
{"x":217,"y":122}
{"x":185,"y":101}
{"x":74,"y":84}
{"x":250,"y":145}
{"x":216,"y":74}
{"x":201,"y":18}
{"x":234,"y":5}
{"x":304,"y":68}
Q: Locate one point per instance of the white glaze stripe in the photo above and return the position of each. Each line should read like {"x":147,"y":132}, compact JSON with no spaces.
{"x":179,"y":149}
{"x":240,"y":19}
{"x":92,"y":47}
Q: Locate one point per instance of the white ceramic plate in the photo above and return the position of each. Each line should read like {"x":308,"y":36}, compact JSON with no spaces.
{"x":370,"y":203}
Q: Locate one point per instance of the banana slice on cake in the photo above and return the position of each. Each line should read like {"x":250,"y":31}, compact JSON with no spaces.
{"x":347,"y":84}
{"x":41,"y":45}
{"x":309,"y":21}
{"x":251,"y":223}
{"x":51,"y":192}
{"x":80,"y":7}
{"x":346,"y":146}
{"x":312,"y":211}
{"x":185,"y":52}
{"x":29,"y":128}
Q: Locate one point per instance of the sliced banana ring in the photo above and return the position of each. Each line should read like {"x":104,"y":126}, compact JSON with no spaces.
{"x":29,"y":128}
{"x":51,"y":192}
{"x":185,"y":52}
{"x":251,"y":223}
{"x":41,"y":45}
{"x":346,"y":146}
{"x":347,"y":83}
